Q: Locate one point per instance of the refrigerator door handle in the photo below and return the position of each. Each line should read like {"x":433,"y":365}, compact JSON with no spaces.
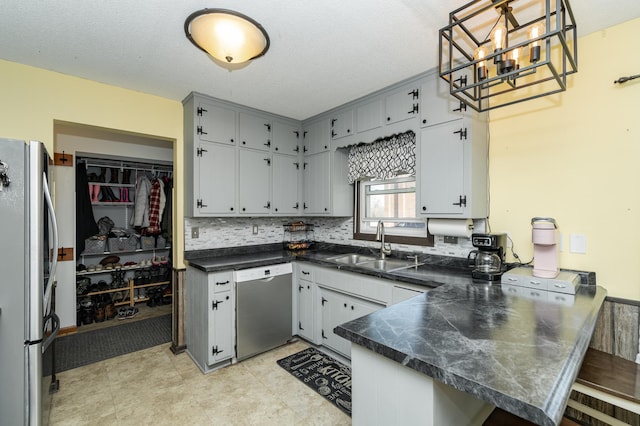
{"x":54,"y":331}
{"x":54,"y":231}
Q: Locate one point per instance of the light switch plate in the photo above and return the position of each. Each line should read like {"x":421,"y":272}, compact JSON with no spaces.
{"x":578,"y":243}
{"x":195,"y":232}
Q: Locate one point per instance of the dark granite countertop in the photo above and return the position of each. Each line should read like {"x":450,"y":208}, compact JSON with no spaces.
{"x":519,"y":354}
{"x":436,"y":270}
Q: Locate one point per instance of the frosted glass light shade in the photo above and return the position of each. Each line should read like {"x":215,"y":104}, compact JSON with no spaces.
{"x":227,"y":35}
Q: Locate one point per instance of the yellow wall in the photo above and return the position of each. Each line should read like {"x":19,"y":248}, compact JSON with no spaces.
{"x":576,"y":157}
{"x":33,"y":98}
{"x":572,"y":156}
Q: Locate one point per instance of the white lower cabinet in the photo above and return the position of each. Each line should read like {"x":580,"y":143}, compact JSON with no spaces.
{"x":337,"y":308}
{"x":209,"y":315}
{"x":305,"y":289}
{"x":401,"y":293}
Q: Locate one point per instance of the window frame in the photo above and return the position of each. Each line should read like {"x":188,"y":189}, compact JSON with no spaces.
{"x":360,"y":195}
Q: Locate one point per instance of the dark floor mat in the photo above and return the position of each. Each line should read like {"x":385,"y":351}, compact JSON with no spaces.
{"x":81,"y":349}
{"x":322,"y":373}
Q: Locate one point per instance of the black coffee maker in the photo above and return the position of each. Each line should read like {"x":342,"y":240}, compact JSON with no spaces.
{"x":488,"y":261}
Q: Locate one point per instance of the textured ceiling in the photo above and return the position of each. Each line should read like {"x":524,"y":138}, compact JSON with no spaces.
{"x":323,"y":53}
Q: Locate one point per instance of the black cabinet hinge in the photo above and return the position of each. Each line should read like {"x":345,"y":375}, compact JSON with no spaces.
{"x":462,"y":107}
{"x":215,"y":351}
{"x":324,"y":300}
{"x":323,"y":336}
{"x":415,"y":94}
{"x":300,"y":326}
{"x":200,"y":131}
{"x":462,"y":201}
{"x":199,"y":151}
{"x":200,"y":110}
{"x":200,"y":204}
{"x":462,"y":132}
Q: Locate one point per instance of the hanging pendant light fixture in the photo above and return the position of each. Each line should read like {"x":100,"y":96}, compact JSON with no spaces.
{"x":496,"y":53}
{"x":228,"y":36}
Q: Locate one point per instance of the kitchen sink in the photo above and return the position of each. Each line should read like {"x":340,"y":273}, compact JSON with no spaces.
{"x":387,"y":265}
{"x":372,"y":262}
{"x":352,"y":259}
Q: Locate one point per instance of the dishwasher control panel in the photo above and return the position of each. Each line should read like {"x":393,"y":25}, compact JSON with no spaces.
{"x":262,"y":272}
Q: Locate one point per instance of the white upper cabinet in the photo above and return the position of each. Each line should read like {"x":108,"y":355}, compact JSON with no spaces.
{"x":254,"y":179}
{"x":286,"y":138}
{"x":215,"y":183}
{"x":402,"y":104}
{"x":342,"y":124}
{"x":215,"y":123}
{"x":286,"y":175}
{"x":369,"y":116}
{"x":439,"y":106}
{"x":255,"y":132}
{"x":453,"y":170}
{"x":317,"y":136}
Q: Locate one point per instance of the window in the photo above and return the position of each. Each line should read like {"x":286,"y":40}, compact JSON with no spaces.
{"x":392,"y":201}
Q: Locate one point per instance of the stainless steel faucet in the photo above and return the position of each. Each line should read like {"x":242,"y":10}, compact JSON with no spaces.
{"x":385,"y":249}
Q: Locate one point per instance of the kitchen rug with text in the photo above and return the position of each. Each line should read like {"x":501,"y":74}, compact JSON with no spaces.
{"x":322,"y":373}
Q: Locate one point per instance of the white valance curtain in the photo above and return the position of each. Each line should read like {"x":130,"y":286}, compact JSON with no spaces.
{"x":383,"y":159}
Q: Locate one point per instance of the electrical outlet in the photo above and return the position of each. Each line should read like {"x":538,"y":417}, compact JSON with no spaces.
{"x":255,"y":229}
{"x":450,"y":240}
{"x":195,"y":232}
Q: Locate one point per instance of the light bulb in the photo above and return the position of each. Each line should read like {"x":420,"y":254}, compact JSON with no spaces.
{"x":534,"y":50}
{"x":481,"y":53}
{"x":498,"y":37}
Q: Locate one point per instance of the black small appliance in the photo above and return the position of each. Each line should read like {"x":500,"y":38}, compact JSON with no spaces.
{"x":488,"y":260}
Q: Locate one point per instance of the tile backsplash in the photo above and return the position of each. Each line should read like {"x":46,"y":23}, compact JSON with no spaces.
{"x":220,"y":232}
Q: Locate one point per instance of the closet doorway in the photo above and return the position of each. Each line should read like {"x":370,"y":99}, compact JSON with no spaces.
{"x":122,"y":265}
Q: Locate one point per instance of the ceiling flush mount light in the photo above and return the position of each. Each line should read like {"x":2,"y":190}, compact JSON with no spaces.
{"x":496,"y":53}
{"x":228,"y":36}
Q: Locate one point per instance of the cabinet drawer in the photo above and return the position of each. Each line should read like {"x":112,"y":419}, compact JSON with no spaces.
{"x":220,"y":282}
{"x":305,"y":273}
{"x":525,"y":281}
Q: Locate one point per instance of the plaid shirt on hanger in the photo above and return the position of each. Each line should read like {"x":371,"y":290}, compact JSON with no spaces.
{"x":154,"y":208}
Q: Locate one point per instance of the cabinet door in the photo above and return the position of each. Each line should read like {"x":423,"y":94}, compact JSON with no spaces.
{"x":220,"y":330}
{"x":317,"y":137}
{"x":317,"y":183}
{"x":254,"y":180}
{"x":438,"y":105}
{"x":369,"y":116}
{"x":402,"y":105}
{"x":216,"y":124}
{"x":342,"y":124}
{"x":334,"y":312}
{"x":255,"y":132}
{"x":285,"y":138}
{"x":305,"y":310}
{"x":442,"y":168}
{"x":286,"y":182}
{"x":216,"y":191}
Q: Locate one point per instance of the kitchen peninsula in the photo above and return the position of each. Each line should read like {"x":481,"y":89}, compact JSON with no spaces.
{"x":456,"y":351}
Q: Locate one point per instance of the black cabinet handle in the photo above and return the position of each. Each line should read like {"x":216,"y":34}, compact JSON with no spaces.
{"x":222,"y":283}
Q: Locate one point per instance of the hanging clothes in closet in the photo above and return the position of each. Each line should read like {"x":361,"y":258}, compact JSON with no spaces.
{"x":140,"y":217}
{"x":157,"y":200}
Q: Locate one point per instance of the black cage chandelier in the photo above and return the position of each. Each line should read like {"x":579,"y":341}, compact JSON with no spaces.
{"x":496,"y":53}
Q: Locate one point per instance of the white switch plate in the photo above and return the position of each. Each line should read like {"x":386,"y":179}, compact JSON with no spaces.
{"x":578,"y":243}
{"x":255,"y":230}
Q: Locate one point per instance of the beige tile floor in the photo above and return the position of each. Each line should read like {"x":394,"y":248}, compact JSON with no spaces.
{"x":156,"y":387}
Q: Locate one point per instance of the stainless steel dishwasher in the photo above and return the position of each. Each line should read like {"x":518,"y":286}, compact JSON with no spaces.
{"x":263,"y":308}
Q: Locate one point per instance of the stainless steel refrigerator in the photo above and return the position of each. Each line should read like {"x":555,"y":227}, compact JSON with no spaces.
{"x":28,"y":325}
